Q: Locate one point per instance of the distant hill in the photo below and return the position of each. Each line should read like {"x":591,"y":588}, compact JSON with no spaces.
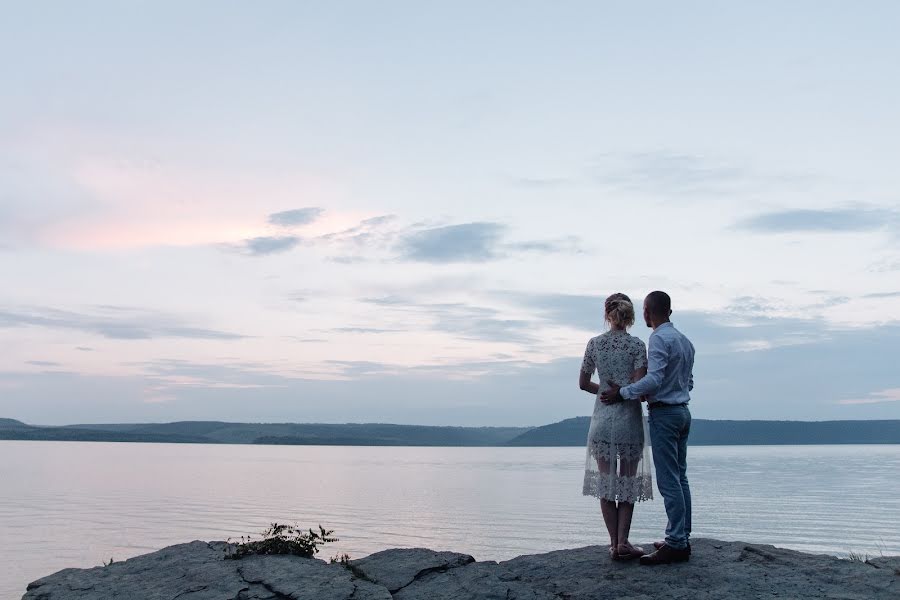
{"x":570,"y":432}
{"x":215,"y":432}
{"x":573,"y":432}
{"x":563,"y":433}
{"x":71,"y":434}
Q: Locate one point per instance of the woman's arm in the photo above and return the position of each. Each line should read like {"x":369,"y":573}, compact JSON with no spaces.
{"x":587,"y":369}
{"x":585,"y":383}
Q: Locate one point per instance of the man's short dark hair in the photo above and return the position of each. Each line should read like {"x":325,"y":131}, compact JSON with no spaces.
{"x":659,"y":304}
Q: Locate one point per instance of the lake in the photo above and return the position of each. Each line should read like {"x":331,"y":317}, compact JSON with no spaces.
{"x":69,"y":504}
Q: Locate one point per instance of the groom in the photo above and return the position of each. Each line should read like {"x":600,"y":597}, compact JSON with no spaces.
{"x":668,"y":383}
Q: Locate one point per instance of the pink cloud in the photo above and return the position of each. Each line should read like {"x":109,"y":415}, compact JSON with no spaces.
{"x":888,"y":395}
{"x":145,"y":204}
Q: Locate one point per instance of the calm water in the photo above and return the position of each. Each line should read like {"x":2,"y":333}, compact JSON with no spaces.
{"x":76,"y":504}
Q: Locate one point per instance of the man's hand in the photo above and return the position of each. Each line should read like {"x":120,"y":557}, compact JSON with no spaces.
{"x":612,"y":395}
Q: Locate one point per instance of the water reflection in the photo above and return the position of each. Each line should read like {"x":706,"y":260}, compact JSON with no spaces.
{"x":77,"y":504}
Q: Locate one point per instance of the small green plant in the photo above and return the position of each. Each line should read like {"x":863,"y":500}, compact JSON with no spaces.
{"x":858,"y":557}
{"x":106,"y":564}
{"x":344,"y":561}
{"x":282,"y":539}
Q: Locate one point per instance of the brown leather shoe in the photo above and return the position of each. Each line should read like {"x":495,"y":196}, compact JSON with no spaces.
{"x":659,"y":545}
{"x":666,"y":555}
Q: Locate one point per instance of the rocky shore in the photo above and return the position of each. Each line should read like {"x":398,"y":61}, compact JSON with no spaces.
{"x":198,"y":571}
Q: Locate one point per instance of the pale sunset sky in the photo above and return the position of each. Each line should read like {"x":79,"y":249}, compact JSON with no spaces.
{"x":411,"y":212}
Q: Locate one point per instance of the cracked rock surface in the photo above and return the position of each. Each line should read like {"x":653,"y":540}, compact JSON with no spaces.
{"x":198,"y":571}
{"x":396,"y":569}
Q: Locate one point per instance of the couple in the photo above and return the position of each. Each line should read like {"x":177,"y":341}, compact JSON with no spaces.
{"x":618,"y":461}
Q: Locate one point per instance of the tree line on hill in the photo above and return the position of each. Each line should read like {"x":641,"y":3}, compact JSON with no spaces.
{"x":570,"y":432}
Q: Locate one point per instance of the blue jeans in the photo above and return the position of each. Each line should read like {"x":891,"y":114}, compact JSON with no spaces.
{"x":669,"y":430}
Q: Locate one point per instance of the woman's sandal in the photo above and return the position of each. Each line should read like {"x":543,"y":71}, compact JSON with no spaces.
{"x":614,"y":553}
{"x":630,"y":553}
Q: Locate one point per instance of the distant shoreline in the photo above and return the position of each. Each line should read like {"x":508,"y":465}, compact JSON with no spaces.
{"x":570,"y":432}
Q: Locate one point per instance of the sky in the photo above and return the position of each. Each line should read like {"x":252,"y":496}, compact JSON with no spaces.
{"x":411,"y":212}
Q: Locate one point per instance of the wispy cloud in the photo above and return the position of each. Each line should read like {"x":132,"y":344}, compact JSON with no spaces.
{"x":473,"y":243}
{"x":837,"y":220}
{"x":479,"y":323}
{"x":883,"y":295}
{"x":382,"y":238}
{"x":568,"y":244}
{"x":461,"y":320}
{"x":297,"y":216}
{"x":166,"y":380}
{"x":885,"y":265}
{"x":749,"y":324}
{"x":541,"y":183}
{"x":888,"y":395}
{"x":665,"y":173}
{"x":357,"y":244}
{"x":467,"y":242}
{"x":670,"y":172}
{"x":365,"y":330}
{"x":44,"y":363}
{"x":120,"y":323}
{"x":262,"y":246}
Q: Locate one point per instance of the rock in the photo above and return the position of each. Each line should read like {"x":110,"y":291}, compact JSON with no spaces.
{"x":396,"y":569}
{"x":477,"y":581}
{"x":307,"y":579}
{"x":716,"y":570}
{"x":198,"y":571}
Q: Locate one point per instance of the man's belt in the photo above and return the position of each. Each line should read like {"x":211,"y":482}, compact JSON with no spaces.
{"x":652,"y":405}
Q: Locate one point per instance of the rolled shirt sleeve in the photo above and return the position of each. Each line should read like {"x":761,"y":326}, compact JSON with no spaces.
{"x":656,"y":368}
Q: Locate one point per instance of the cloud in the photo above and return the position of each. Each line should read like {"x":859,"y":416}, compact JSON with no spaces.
{"x":889,"y":395}
{"x":541,"y":182}
{"x":468,"y":242}
{"x":119,"y":323}
{"x":746,"y":326}
{"x":567,"y":244}
{"x":84,"y":348}
{"x":298,"y":216}
{"x":464,"y":321}
{"x":262,"y":246}
{"x":359,"y":243}
{"x":883,"y":295}
{"x":744,"y":306}
{"x":840,"y":220}
{"x":381,"y":238}
{"x":478,"y":323}
{"x":801,"y":382}
{"x":364,"y":330}
{"x":472,"y":242}
{"x":666,"y":173}
{"x":569,"y":310}
{"x":886,"y":265}
{"x":44,"y":363}
{"x":378,"y":221}
{"x":167,"y":374}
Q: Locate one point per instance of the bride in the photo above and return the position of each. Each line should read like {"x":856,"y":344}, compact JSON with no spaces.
{"x":618,"y":464}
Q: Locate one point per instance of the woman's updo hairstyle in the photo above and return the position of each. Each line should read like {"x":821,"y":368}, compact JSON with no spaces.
{"x":620,"y":311}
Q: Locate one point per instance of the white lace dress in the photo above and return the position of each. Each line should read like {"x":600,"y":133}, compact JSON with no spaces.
{"x":618,"y":465}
